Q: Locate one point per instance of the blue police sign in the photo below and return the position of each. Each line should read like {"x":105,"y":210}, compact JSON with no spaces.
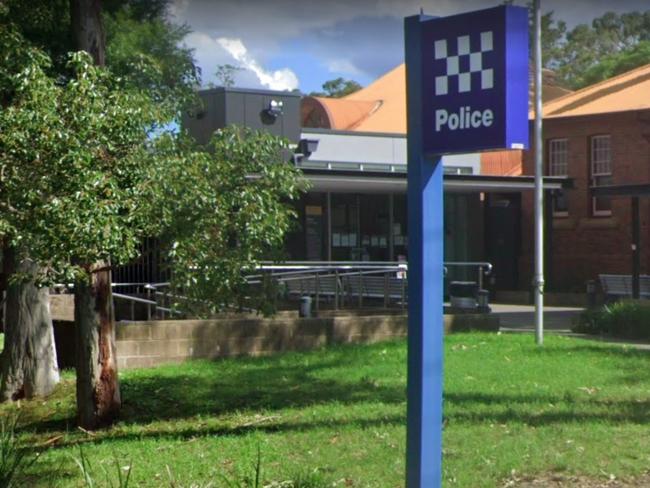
{"x":467,"y":90}
{"x":476,"y":66}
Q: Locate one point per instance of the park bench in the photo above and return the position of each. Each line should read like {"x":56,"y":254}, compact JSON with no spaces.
{"x":620,"y":286}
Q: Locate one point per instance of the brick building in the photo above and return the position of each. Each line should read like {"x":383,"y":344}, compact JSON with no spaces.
{"x":596,"y":136}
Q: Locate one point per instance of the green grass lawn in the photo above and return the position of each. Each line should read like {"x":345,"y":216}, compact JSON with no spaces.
{"x":573,"y":406}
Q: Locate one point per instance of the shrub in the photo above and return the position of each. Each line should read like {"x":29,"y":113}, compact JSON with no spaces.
{"x":628,"y":319}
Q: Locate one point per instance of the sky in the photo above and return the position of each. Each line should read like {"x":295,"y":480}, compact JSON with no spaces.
{"x":290,"y":44}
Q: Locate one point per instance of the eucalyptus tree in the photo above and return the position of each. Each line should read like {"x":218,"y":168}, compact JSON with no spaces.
{"x":28,"y":364}
{"x":76,"y":158}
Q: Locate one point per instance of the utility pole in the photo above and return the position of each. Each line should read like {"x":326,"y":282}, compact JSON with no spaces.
{"x":538,"y":281}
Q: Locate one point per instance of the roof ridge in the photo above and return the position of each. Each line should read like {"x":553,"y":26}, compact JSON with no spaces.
{"x":596,"y":86}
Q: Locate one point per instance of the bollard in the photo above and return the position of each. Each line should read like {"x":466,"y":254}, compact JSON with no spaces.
{"x":305,"y":306}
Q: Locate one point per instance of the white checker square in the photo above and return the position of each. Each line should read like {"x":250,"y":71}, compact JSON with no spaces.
{"x":440,"y":49}
{"x":487,"y":79}
{"x":486,"y":41}
{"x":442,"y":85}
{"x":464,"y":82}
{"x":463,"y":45}
{"x":453,"y":66}
{"x":475,"y":62}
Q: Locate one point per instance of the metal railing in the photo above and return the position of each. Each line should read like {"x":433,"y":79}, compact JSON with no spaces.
{"x":337,"y":282}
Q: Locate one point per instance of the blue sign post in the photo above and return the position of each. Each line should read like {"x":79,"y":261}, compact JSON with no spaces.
{"x":467,"y":90}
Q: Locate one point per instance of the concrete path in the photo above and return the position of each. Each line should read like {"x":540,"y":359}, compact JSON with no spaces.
{"x":557,"y":320}
{"x":522,"y":317}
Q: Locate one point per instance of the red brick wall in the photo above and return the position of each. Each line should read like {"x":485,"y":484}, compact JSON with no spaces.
{"x":583,"y":245}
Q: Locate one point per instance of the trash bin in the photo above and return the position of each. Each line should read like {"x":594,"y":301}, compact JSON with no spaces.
{"x":462,"y":294}
{"x":305,"y":306}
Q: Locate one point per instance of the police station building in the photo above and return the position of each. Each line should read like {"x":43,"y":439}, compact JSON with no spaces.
{"x":353,"y":150}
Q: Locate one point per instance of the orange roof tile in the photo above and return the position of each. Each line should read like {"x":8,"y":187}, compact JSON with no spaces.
{"x":625,"y":92}
{"x":379,"y":107}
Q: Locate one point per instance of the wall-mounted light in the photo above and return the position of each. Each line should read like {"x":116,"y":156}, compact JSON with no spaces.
{"x":275,"y":108}
{"x":307,"y":146}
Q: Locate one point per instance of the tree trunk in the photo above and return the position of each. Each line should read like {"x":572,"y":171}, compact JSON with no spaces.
{"x":86,"y":21}
{"x":28,"y":365}
{"x":98,"y":390}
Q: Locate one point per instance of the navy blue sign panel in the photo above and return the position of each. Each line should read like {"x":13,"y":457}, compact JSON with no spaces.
{"x":475,"y":74}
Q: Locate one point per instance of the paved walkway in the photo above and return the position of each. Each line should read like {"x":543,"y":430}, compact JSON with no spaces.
{"x":558,"y":320}
{"x":522,"y":317}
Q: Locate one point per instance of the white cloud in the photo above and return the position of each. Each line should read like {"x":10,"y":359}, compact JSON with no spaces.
{"x":343,"y":66}
{"x":282,"y":79}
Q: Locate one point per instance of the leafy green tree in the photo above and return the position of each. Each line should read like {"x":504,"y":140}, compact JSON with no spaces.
{"x":586,"y":54}
{"x":226,"y":74}
{"x":76,"y":156}
{"x":28,"y":364}
{"x":236,"y":214}
{"x":338,"y":88}
{"x":144,"y":49}
{"x":615,"y":64}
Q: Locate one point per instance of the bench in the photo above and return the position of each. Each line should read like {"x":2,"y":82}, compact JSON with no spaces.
{"x":619,"y":286}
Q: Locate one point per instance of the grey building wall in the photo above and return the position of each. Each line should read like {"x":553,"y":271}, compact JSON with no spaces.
{"x":239,"y":106}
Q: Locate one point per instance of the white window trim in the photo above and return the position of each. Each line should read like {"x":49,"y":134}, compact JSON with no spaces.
{"x":551,"y":168}
{"x":593,"y":175}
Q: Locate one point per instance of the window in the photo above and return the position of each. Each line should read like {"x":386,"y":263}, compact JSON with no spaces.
{"x":558,"y":165}
{"x":601,"y":172}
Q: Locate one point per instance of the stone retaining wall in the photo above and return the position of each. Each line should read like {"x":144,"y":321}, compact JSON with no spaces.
{"x":141,"y":344}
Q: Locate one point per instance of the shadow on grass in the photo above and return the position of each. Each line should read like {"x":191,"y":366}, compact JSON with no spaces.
{"x":268,"y":385}
{"x":206,"y":388}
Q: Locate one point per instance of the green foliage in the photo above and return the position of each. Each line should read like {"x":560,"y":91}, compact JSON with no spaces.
{"x":75,"y":161}
{"x":625,"y":319}
{"x":142,"y":45}
{"x":14,"y":459}
{"x":586,"y":54}
{"x":150,"y":54}
{"x":338,"y":88}
{"x":117,"y":478}
{"x":226,"y":74}
{"x":615,"y":64}
{"x":224,"y":208}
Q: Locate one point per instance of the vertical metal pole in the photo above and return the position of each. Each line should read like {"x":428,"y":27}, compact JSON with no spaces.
{"x":636,"y":249}
{"x":386,"y":290}
{"x":391,"y":222}
{"x":360,"y":289}
{"x":329,"y":226}
{"x":148,"y":304}
{"x":317,"y":280}
{"x":538,"y":280}
{"x":336,"y":289}
{"x":425,"y":270}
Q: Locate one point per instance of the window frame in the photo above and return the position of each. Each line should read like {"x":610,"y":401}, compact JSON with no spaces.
{"x":604,"y":171}
{"x":556,"y":168}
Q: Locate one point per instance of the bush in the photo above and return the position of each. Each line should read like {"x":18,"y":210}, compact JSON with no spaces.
{"x":627,"y":319}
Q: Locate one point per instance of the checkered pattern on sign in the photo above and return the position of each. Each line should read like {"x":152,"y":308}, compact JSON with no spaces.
{"x":464,"y":57}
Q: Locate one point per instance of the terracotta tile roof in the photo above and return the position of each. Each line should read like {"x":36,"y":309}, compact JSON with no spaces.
{"x":625,"y":92}
{"x":381,"y":106}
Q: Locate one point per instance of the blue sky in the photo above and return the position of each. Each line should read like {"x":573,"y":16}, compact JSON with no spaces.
{"x":286,"y":44}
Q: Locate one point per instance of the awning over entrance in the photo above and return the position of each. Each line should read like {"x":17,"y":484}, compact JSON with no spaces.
{"x":375,"y":182}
